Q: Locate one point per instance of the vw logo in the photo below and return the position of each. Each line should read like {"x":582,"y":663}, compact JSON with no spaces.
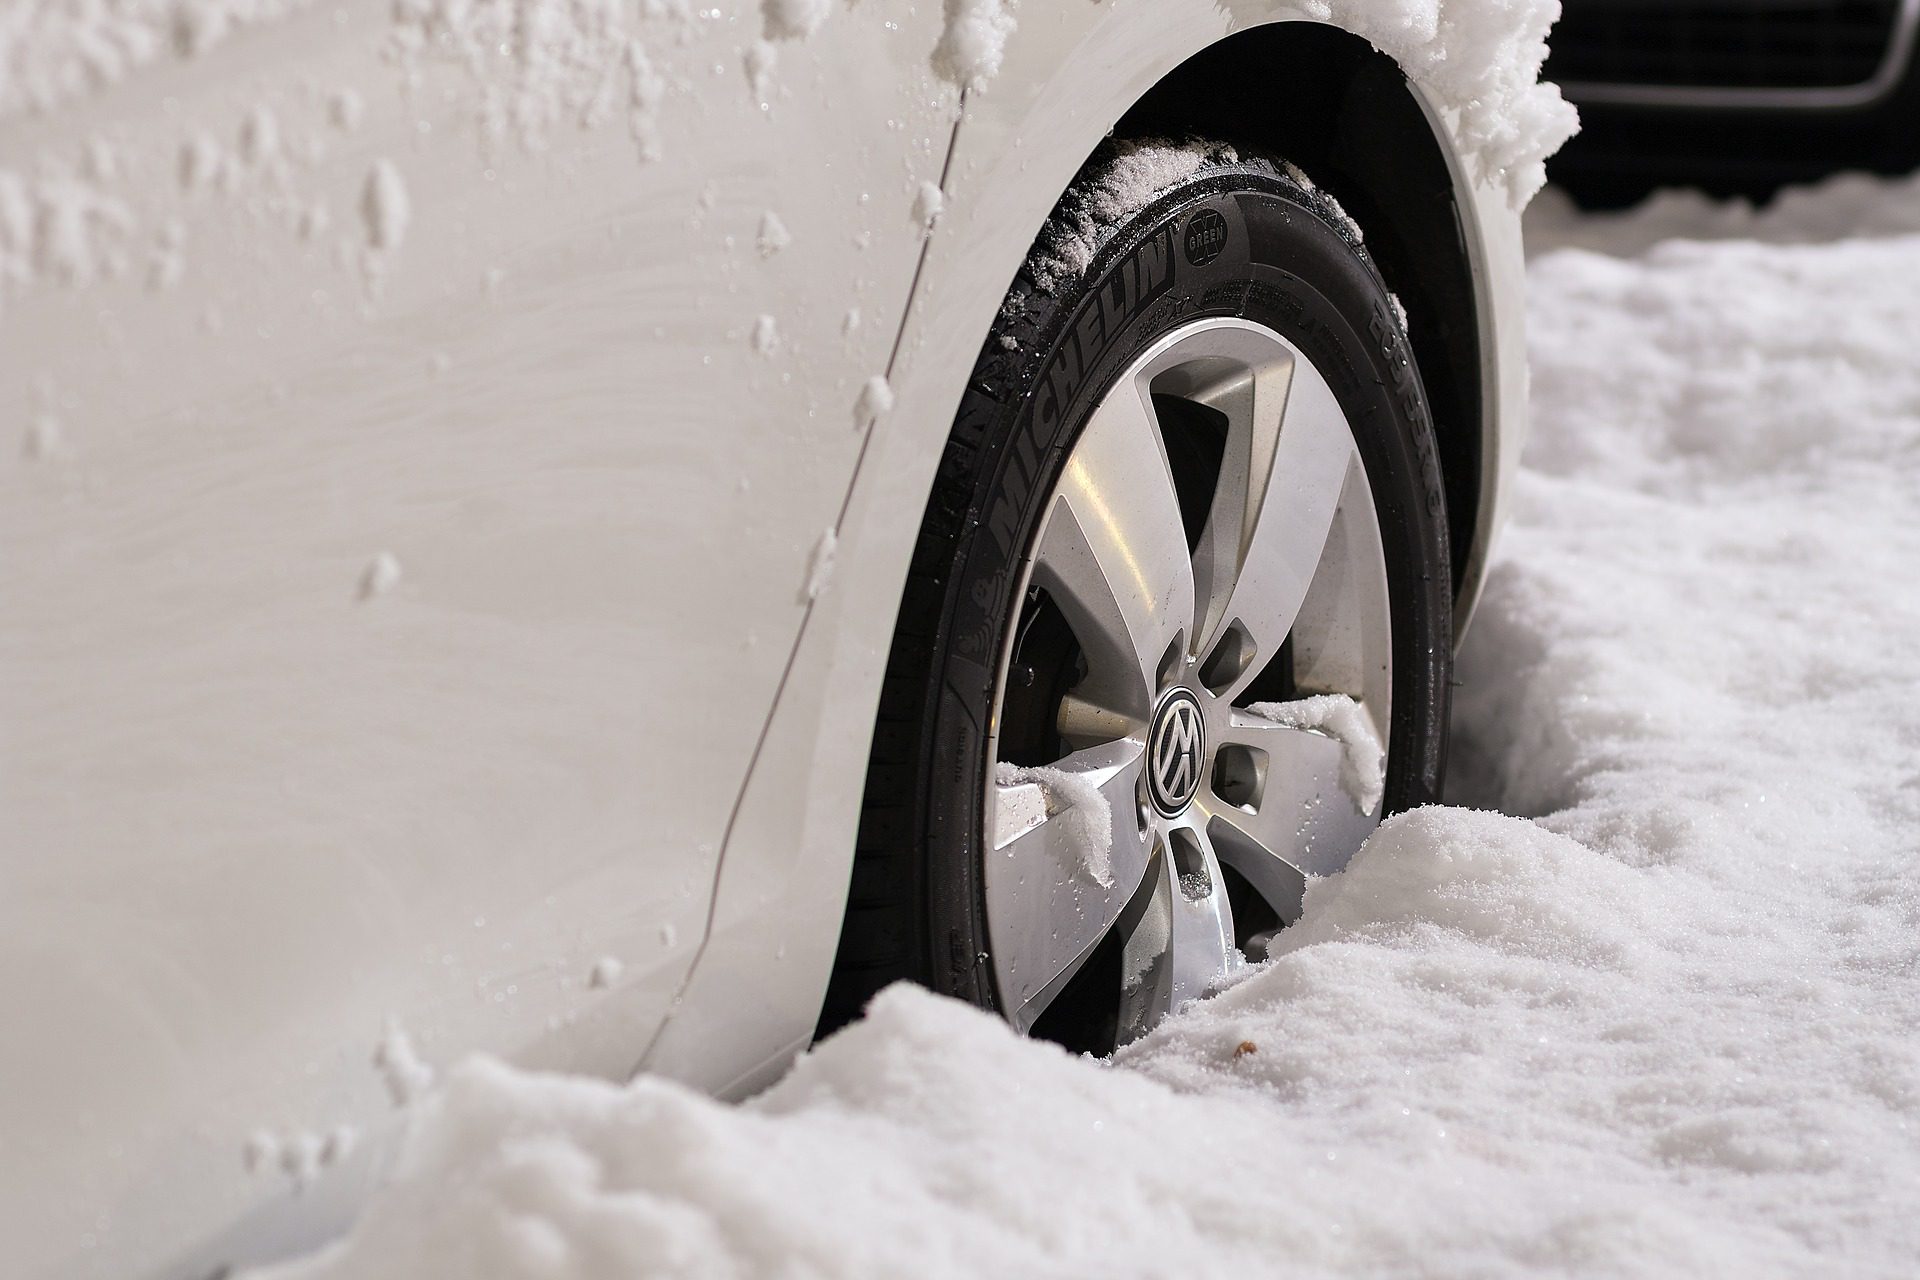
{"x":1176,"y":748}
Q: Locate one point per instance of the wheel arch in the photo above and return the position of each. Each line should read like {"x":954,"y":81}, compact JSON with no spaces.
{"x":1327,"y":101}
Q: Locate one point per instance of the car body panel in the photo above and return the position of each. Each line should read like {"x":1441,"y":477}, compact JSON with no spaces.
{"x":258,"y":816}
{"x":257,"y":805}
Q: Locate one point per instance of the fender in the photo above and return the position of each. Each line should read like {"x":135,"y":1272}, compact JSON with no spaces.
{"x":1070,"y":74}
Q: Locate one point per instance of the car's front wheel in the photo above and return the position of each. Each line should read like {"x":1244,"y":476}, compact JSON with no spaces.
{"x":1178,"y":629}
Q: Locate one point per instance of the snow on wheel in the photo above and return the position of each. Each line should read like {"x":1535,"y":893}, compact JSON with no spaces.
{"x":1178,"y":635}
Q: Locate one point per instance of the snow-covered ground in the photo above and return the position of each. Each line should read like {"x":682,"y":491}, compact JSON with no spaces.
{"x":1663,"y":1019}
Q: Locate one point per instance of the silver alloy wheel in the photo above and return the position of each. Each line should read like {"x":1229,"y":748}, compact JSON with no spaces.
{"x":1171,"y":628}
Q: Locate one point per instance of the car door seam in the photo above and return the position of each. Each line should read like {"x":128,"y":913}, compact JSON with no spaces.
{"x":793,"y":653}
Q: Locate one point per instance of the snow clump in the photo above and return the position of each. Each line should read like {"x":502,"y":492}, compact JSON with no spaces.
{"x":876,"y":397}
{"x":765,"y":336}
{"x":1079,"y":808}
{"x":928,"y":201}
{"x":1480,"y":61}
{"x":1363,"y":764}
{"x":973,"y":41}
{"x":772,"y":236}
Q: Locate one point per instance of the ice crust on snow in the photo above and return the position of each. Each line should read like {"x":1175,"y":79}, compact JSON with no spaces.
{"x":1665,"y":1023}
{"x":1363,"y":765}
{"x":1081,"y":810}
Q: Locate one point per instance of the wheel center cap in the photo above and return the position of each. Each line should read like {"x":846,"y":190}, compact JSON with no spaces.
{"x":1176,"y":749}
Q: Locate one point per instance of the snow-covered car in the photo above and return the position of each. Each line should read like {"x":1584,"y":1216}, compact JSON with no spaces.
{"x":1740,"y":97}
{"x":602,"y":534}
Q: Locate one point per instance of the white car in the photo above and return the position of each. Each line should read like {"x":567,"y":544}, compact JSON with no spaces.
{"x":602,"y":534}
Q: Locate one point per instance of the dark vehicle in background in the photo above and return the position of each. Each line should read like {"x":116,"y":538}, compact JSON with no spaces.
{"x":1737,"y":97}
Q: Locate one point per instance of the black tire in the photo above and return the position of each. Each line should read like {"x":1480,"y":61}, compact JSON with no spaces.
{"x":1289,"y":260}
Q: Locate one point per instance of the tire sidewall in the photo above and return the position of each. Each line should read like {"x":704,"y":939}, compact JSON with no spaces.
{"x":1237,"y":242}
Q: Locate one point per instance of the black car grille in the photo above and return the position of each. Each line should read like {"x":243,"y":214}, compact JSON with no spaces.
{"x":1745,"y":46}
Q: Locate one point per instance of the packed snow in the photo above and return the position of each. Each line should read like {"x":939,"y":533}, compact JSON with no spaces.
{"x":1660,"y":1016}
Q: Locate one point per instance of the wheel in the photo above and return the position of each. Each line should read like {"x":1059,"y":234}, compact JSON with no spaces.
{"x":1178,"y":627}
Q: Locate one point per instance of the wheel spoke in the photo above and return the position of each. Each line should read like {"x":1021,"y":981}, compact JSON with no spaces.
{"x":1202,"y":925}
{"x":1114,"y":553}
{"x":1183,"y":944}
{"x":1046,"y":905}
{"x":1282,"y":504}
{"x":1302,"y":819}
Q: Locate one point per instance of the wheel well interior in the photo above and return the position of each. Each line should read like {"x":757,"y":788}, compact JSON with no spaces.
{"x":1329,"y":102}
